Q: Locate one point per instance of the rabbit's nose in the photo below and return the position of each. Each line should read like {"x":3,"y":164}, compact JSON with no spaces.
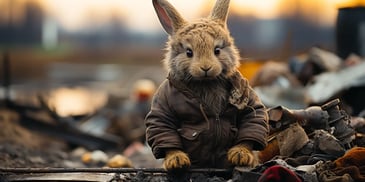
{"x":205,"y":69}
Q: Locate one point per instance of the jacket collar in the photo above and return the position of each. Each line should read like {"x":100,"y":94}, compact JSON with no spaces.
{"x":240,"y":91}
{"x":238,"y":94}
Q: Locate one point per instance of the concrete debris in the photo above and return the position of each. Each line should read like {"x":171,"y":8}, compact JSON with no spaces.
{"x":328,"y":61}
{"x":329,"y":84}
{"x":322,"y":76}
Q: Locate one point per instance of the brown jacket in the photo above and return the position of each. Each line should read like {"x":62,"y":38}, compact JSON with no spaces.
{"x":178,"y":120}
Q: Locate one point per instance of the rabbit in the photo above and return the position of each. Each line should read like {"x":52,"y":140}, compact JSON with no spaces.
{"x":205,"y":114}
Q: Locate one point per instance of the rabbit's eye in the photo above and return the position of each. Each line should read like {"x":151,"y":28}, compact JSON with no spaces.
{"x":189,"y":53}
{"x":217,"y":51}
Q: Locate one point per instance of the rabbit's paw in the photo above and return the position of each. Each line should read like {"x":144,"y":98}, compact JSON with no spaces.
{"x":240,"y":155}
{"x":176,"y":160}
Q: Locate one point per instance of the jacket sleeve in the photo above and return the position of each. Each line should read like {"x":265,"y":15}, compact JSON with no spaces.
{"x":253,"y":123}
{"x":161,"y":124}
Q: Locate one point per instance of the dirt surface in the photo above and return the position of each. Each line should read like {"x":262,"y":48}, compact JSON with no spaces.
{"x":21,"y":147}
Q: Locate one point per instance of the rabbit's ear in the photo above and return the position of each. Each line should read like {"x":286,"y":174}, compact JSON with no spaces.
{"x":220,"y":11}
{"x":170,"y":19}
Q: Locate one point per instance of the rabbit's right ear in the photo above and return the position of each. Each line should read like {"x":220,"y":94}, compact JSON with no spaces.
{"x":220,"y":11}
{"x":170,"y":19}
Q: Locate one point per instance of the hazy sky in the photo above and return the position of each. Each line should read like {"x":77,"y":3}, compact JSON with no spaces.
{"x":139,"y":15}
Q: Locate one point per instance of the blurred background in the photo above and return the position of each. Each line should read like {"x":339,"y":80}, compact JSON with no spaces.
{"x":84,"y":71}
{"x":106,"y":46}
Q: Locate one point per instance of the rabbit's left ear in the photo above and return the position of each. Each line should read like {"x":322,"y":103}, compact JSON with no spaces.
{"x":220,"y":11}
{"x":169,"y":17}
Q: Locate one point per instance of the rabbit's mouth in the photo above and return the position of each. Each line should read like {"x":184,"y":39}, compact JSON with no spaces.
{"x":205,"y":76}
{"x":204,"y":72}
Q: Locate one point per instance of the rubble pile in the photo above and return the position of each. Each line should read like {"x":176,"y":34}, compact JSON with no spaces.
{"x":310,"y":140}
{"x":313,"y":79}
{"x":321,"y":136}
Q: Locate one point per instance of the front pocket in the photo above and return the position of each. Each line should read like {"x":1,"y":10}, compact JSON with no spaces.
{"x":189,"y":133}
{"x":195,"y":143}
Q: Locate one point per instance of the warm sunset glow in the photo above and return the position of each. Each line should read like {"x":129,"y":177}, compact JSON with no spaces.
{"x":319,"y":11}
{"x":349,"y":3}
{"x":139,"y":15}
{"x":76,"y":101}
{"x":258,"y":8}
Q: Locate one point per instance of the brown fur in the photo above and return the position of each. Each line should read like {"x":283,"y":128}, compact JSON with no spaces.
{"x":202,"y":37}
{"x":205,"y":71}
{"x":216,"y":101}
{"x":176,"y":159}
{"x":241,"y":156}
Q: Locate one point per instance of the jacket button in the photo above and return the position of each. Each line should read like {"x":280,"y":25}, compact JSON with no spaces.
{"x":194,"y":134}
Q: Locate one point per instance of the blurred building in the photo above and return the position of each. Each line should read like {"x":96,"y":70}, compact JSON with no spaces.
{"x":292,"y":27}
{"x":26,"y":29}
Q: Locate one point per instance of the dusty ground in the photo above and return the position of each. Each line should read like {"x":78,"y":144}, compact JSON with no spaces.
{"x":23,"y":148}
